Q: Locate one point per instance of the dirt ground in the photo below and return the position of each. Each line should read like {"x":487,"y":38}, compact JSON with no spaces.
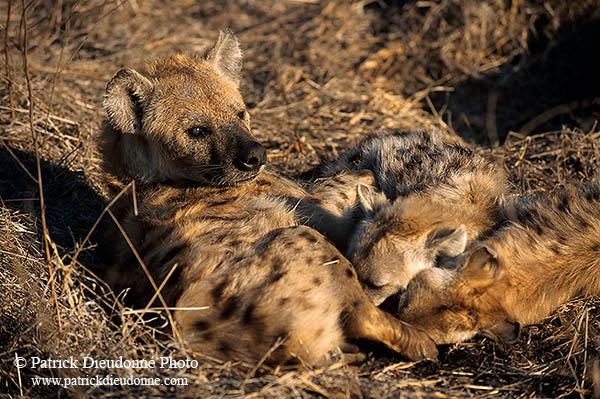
{"x":514,"y":78}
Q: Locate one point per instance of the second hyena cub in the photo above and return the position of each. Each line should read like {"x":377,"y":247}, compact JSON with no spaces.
{"x":547,"y":253}
{"x":438,"y":196}
{"x":213,"y":228}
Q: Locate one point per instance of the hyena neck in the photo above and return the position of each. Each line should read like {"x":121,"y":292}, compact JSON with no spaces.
{"x":125,"y":156}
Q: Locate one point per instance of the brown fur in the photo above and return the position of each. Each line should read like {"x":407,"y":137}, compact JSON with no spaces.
{"x":182,"y":123}
{"x":236,"y":249}
{"x":438,"y":197}
{"x":547,"y":253}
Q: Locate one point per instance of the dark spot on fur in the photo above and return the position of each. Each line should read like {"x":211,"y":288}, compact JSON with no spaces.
{"x":248,"y":314}
{"x":555,"y":249}
{"x":208,"y":335}
{"x":349,"y":272}
{"x":276,"y":277}
{"x":221,"y":237}
{"x":563,"y":202}
{"x":217,"y":291}
{"x":355,"y":304}
{"x":273,"y":235}
{"x":237,"y":259}
{"x":310,"y":260}
{"x":537,"y":228}
{"x":596,"y":248}
{"x":230,"y":306}
{"x":219,"y":203}
{"x":276,"y":263}
{"x":283,"y":301}
{"x":309,"y":237}
{"x":317,"y":281}
{"x":582,"y":222}
{"x":201,"y":325}
{"x":235,"y":243}
{"x":320,"y":332}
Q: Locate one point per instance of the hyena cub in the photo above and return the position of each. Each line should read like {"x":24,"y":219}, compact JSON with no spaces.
{"x":212,"y":223}
{"x":438,"y":197}
{"x":547,"y":253}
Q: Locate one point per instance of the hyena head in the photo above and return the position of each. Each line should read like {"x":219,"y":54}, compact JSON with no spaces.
{"x":453,"y":304}
{"x":393,"y":242}
{"x":185,"y":121}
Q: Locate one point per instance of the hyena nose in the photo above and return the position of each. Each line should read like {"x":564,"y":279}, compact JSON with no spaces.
{"x":252,"y":157}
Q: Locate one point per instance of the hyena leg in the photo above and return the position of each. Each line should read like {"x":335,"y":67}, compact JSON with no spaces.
{"x":367,"y":321}
{"x":294,"y":287}
{"x":359,"y":316}
{"x":362,"y":319}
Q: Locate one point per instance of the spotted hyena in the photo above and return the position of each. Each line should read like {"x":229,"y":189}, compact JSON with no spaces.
{"x":437,"y":197}
{"x":546,"y":253}
{"x":244,"y":277}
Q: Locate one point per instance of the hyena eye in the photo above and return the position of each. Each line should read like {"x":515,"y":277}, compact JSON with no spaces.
{"x":197,"y":131}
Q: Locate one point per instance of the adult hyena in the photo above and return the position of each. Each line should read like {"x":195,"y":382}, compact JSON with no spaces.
{"x":215,"y":221}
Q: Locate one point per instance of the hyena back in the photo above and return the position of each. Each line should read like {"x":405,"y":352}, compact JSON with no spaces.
{"x":220,"y":227}
{"x":546,"y":253}
{"x":438,"y":197}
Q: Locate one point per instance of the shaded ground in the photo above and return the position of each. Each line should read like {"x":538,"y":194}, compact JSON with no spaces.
{"x":318,"y":75}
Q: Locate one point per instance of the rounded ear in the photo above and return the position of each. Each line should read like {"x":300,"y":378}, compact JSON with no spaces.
{"x":125,"y":96}
{"x":448,"y":242}
{"x":369,"y":198}
{"x":226,"y":56}
{"x":481,"y":268}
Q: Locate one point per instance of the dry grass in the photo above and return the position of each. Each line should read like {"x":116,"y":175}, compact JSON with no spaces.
{"x":318,"y":75}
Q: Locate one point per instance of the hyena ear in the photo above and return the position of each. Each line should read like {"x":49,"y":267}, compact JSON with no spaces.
{"x":226,"y":57}
{"x":481,"y":268}
{"x":369,"y":198}
{"x":448,"y":242}
{"x":125,"y":96}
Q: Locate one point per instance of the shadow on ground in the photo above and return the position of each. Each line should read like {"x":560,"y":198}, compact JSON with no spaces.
{"x":555,"y":83}
{"x":72,"y":206}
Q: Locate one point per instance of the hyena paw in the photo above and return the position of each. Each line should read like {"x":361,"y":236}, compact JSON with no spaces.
{"x":419,"y":347}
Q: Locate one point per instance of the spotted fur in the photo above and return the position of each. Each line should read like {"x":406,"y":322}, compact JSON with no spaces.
{"x":546,"y":253}
{"x":228,"y":237}
{"x":437,"y":197}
